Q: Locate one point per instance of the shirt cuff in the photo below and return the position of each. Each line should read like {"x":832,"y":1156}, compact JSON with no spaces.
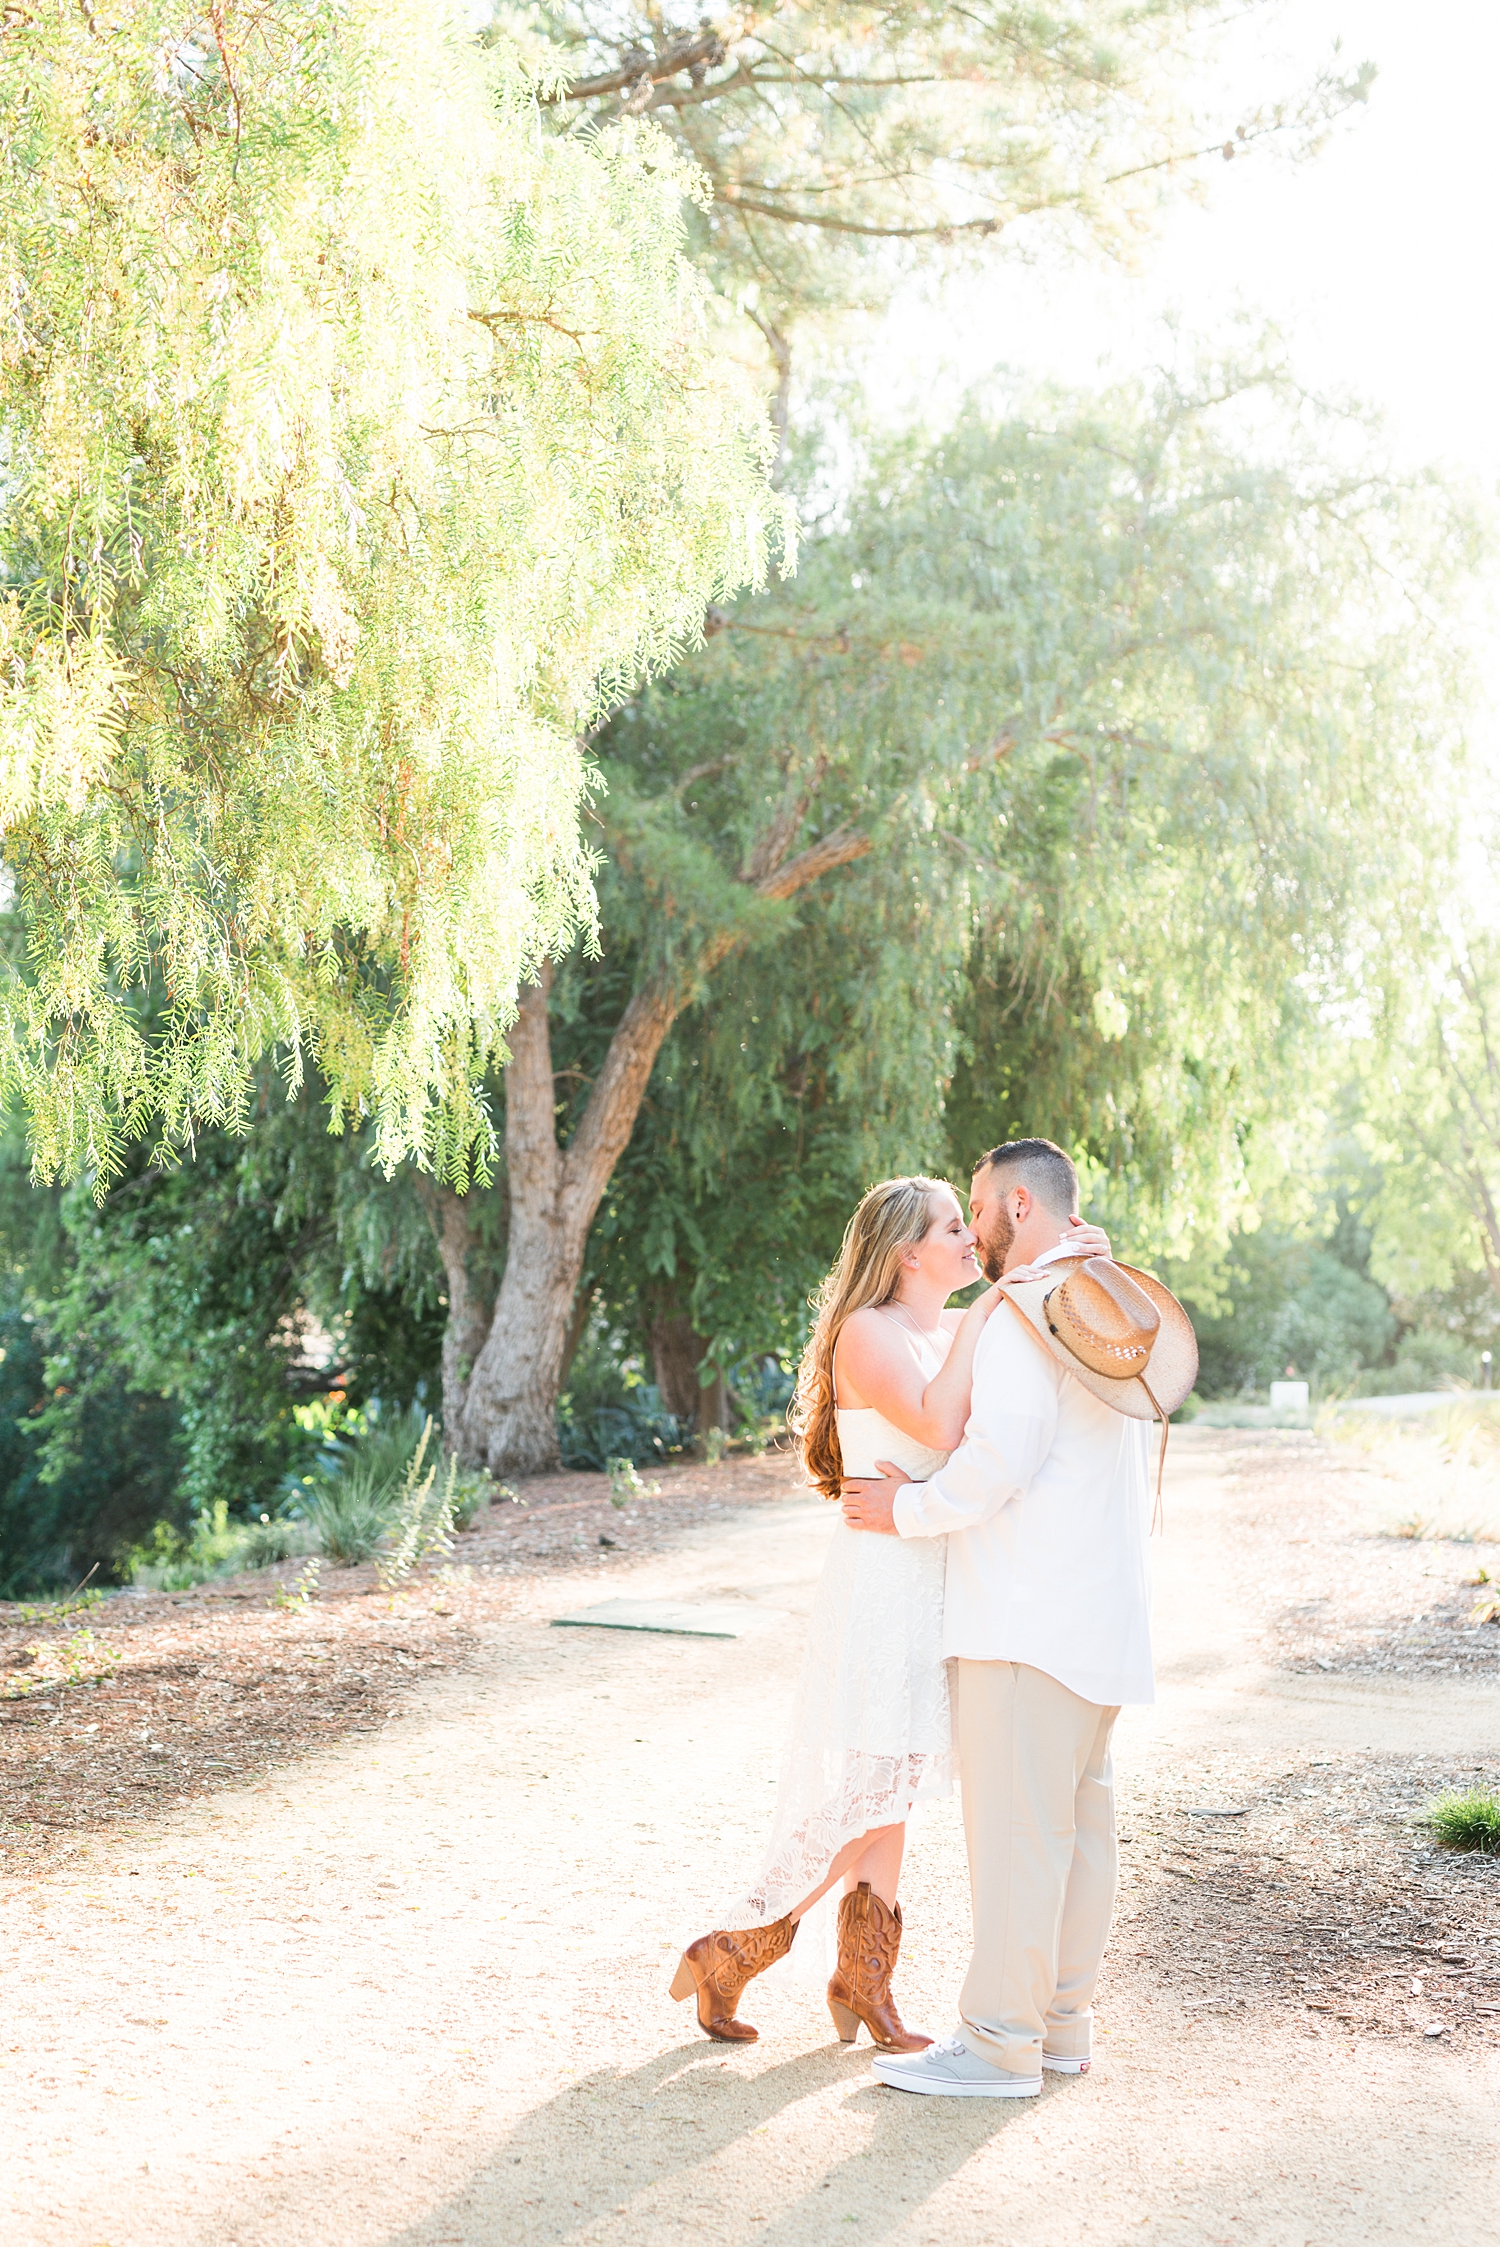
{"x":906,"y":1514}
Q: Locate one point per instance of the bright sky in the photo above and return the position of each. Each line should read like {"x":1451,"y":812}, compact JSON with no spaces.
{"x":1376,"y":259}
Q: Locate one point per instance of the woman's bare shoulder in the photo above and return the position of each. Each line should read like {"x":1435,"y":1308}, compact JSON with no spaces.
{"x":869,"y":1335}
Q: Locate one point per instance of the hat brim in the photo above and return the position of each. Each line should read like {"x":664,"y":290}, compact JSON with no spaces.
{"x":1173,"y":1365}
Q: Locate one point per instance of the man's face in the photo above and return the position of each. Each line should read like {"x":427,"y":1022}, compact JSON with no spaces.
{"x":994,"y":1228}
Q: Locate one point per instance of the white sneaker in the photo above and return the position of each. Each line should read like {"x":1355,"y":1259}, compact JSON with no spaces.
{"x":950,"y":2070}
{"x":1064,"y":2067}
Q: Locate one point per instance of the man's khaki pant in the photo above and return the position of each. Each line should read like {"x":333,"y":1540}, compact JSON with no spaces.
{"x":1039,"y":1816}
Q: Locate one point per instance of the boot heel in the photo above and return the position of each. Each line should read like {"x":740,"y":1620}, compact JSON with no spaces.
{"x":846,"y":2023}
{"x":683,"y":1984}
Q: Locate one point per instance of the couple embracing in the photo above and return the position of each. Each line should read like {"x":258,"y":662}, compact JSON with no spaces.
{"x":985,"y":1608}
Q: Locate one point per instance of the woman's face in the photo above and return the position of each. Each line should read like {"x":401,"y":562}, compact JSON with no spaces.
{"x":945,"y":1254}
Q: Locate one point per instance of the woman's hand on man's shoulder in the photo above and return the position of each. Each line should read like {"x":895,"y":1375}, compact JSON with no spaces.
{"x":1086,"y":1240}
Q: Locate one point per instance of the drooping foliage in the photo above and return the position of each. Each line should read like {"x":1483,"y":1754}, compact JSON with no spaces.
{"x":1132,"y":700}
{"x":1119,"y":718}
{"x":358,"y":439}
{"x":1430,"y":1082}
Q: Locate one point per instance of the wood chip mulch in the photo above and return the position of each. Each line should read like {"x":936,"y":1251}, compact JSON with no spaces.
{"x":114,"y":1714}
{"x":1322,"y":1894}
{"x":1325,"y":1894}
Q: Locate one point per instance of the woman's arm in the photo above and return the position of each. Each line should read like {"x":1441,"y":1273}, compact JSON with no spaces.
{"x":876,"y":1367}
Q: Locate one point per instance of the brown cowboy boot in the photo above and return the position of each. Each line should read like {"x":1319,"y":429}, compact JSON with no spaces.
{"x":869,"y":1945}
{"x":719,"y":1965}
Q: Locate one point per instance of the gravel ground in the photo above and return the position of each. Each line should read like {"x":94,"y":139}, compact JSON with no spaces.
{"x":1357,"y":1592}
{"x":399,"y":1986}
{"x":113,"y":1713}
{"x":1322,"y":1894}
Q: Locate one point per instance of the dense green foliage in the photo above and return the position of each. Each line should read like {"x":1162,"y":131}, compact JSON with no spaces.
{"x":1117,"y":704}
{"x":359,"y":440}
{"x":1113,"y":737}
{"x":1122,"y":701}
{"x":1305,"y":1304}
{"x":158,"y":1347}
{"x":1431,"y":1093}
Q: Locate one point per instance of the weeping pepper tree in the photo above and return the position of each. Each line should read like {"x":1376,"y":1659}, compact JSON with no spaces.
{"x":1429,"y":1080}
{"x":361,"y":440}
{"x":1115,"y":688}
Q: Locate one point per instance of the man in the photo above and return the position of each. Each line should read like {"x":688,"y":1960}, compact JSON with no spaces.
{"x":1047,"y":1616}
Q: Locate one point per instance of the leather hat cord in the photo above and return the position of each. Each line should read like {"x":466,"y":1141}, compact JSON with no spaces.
{"x":1158,"y":1513}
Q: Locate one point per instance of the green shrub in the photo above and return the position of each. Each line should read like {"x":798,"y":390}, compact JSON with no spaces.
{"x":625,"y":1484}
{"x":421,"y":1521}
{"x":351,"y":1504}
{"x":171,"y":1561}
{"x":301,"y":1592}
{"x":273,"y":1538}
{"x":1467,"y":1820}
{"x":472,"y":1490}
{"x":349,"y":1515}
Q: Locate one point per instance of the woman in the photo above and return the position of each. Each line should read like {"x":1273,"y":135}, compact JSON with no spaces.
{"x":886,"y":1375}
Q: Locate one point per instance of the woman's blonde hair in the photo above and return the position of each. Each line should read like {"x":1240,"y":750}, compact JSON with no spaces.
{"x":894,"y":1216}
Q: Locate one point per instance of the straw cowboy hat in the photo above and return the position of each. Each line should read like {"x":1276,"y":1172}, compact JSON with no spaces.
{"x":1117,"y":1330}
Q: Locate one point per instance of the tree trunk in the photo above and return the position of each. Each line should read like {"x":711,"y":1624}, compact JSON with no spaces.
{"x":781,"y":400}
{"x":509,"y":1413}
{"x":470,"y":1308}
{"x":507,"y":1420}
{"x":504,"y":1415}
{"x":677,"y":1354}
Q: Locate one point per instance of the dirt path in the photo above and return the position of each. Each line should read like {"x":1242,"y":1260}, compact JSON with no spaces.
{"x":412,"y":1990}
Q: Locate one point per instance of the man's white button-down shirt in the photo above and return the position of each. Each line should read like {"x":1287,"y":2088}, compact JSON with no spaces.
{"x":1046,"y":1509}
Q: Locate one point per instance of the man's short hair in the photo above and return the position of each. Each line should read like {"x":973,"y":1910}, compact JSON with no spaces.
{"x":1042,"y":1168}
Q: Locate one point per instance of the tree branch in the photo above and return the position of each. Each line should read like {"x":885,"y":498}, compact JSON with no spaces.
{"x":620,"y":1087}
{"x":841,"y":848}
{"x":734,"y":201}
{"x":781,"y":353}
{"x":773,"y":842}
{"x":698,"y":50}
{"x":470,"y":1309}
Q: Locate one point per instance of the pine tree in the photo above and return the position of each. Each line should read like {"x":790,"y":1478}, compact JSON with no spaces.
{"x":846,"y":143}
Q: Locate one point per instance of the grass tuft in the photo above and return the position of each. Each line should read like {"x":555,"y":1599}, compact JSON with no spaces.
{"x":1470,"y":1820}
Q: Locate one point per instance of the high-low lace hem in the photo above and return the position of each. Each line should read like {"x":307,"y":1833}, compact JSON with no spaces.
{"x":870,"y":1735}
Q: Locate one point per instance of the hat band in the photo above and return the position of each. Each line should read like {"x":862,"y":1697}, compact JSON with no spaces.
{"x":1129,"y":1357}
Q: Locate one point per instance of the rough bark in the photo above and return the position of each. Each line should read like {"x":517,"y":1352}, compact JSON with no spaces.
{"x":470,"y":1307}
{"x":583,"y":1303}
{"x":508,"y":1420}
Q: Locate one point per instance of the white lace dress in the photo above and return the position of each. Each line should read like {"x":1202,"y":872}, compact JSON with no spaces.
{"x":870,"y":1733}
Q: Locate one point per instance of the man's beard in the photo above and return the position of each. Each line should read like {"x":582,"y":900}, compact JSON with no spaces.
{"x":994,"y":1246}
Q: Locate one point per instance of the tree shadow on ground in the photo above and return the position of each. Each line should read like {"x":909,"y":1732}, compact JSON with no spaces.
{"x":672,"y":2151}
